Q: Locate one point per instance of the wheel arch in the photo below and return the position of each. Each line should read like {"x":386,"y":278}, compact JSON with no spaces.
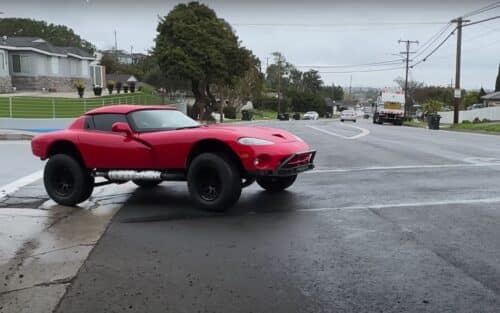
{"x":65,"y":147}
{"x":215,"y":146}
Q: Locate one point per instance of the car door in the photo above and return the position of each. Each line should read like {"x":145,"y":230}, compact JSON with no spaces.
{"x":104,"y":149}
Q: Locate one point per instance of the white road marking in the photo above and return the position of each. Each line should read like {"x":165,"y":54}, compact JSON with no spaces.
{"x":21,"y":182}
{"x":401,"y":167}
{"x":363,"y":133}
{"x":405,"y":205}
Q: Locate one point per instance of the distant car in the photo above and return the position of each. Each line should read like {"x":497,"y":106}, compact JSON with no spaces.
{"x":348,"y":115}
{"x":311,"y":115}
{"x":476,"y":106}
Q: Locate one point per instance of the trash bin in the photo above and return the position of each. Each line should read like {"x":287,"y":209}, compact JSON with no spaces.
{"x":433,"y":121}
{"x":246,"y":115}
{"x":296,"y":116}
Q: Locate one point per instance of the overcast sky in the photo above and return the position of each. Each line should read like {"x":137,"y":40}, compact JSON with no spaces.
{"x":308,"y":33}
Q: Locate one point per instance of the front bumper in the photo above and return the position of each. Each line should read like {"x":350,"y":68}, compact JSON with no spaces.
{"x":287,"y":166}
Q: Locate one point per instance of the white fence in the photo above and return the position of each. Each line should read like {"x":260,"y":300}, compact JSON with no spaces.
{"x":490,"y":113}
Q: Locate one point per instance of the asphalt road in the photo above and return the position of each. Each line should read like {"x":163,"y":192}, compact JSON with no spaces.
{"x":393,"y":219}
{"x":17,"y":161}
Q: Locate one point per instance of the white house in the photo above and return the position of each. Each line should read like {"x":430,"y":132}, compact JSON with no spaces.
{"x":29,"y":63}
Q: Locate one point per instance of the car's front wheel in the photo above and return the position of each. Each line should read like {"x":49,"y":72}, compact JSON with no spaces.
{"x":214,"y":182}
{"x":66,"y":181}
{"x":276,"y":183}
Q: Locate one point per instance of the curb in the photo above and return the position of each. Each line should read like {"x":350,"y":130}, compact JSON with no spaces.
{"x":16,"y":137}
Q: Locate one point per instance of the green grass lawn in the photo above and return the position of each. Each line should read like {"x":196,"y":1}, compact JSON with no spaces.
{"x":49,"y":107}
{"x":479,"y":127}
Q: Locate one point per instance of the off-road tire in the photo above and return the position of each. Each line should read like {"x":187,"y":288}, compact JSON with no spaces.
{"x":67,"y":181}
{"x":146,"y":184}
{"x":276,"y":183}
{"x":214,"y":182}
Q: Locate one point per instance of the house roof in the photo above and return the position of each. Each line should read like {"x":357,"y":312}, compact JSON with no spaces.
{"x":41,"y":46}
{"x":492,"y":96}
{"x":123,"y":78}
{"x":127,"y":108}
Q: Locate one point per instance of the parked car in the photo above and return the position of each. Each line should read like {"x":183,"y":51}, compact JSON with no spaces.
{"x":311,"y":115}
{"x":348,"y":115}
{"x":151,"y":144}
{"x":476,"y":106}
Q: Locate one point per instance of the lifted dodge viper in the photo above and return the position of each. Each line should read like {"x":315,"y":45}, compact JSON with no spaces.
{"x":151,"y":144}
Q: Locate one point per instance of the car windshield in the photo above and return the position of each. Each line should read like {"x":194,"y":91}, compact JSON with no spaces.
{"x":158,"y":120}
{"x":348,"y":112}
{"x":311,"y":112}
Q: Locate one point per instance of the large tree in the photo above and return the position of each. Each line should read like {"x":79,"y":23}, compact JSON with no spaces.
{"x":312,"y":81}
{"x":194,"y":44}
{"x":58,"y":35}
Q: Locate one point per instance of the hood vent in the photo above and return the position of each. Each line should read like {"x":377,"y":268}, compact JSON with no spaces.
{"x":279,"y":135}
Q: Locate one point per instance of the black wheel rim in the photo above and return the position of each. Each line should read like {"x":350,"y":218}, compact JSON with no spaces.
{"x":208,"y":184}
{"x":63,"y":182}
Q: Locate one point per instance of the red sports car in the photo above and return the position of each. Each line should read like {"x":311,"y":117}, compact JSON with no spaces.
{"x":151,"y":144}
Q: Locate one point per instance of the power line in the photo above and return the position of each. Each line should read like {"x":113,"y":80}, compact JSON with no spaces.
{"x":482,"y":21}
{"x":365,"y":71}
{"x":434,"y":50}
{"x":425,"y":46}
{"x":335,"y":24}
{"x":382,"y":63}
{"x":483,"y":9}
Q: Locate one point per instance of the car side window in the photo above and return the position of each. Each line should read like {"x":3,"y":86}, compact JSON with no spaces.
{"x":104,"y":122}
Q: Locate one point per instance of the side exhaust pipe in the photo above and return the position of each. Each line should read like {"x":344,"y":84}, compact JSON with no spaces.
{"x":126,"y":175}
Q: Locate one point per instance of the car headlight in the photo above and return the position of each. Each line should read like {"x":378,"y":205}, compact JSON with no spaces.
{"x":249,"y":141}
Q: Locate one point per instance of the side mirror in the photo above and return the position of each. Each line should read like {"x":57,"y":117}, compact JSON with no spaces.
{"x":121,"y":127}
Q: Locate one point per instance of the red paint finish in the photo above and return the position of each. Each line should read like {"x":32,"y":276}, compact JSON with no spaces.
{"x":167,"y":149}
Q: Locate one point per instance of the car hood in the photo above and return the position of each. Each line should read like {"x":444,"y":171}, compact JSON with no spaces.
{"x":275,"y":135}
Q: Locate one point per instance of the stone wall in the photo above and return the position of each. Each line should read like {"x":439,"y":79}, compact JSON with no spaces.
{"x":5,"y":84}
{"x":37,"y":83}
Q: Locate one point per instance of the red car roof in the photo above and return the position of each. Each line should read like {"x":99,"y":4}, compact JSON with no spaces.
{"x":127,"y":108}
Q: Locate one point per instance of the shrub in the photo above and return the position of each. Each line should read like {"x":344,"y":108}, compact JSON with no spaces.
{"x":118,"y":86}
{"x":125,"y":88}
{"x":432,"y":106}
{"x":465,"y":122}
{"x":78,"y":84}
{"x":476,"y":120}
{"x":485,"y":120}
{"x":110,"y":85}
{"x":229,"y":112}
{"x":97,"y":90}
{"x":131,"y":85}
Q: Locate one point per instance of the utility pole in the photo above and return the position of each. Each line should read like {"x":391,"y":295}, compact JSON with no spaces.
{"x":407,"y":60}
{"x":458,"y":91}
{"x":279,"y":84}
{"x":116,"y":47}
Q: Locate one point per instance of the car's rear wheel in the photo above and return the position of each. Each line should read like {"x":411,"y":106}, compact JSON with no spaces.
{"x":66,"y":181}
{"x":341,"y":120}
{"x":276,"y":183}
{"x":214,"y":182}
{"x":146,"y":183}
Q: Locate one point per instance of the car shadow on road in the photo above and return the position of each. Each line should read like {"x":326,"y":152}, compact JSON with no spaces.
{"x":172,"y":202}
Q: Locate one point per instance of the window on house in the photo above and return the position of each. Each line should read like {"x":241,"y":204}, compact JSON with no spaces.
{"x":2,"y":60}
{"x":20,"y":63}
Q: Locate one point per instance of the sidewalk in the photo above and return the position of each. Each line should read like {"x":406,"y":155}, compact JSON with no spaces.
{"x":12,"y":134}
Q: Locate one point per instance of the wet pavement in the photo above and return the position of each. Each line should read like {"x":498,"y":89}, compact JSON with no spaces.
{"x":393,"y":219}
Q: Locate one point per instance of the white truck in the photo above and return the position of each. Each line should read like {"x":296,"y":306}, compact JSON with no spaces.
{"x":389,"y":108}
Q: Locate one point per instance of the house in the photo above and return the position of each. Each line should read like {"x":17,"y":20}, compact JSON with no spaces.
{"x":121,"y":56}
{"x":492,"y":99}
{"x":30,"y":63}
{"x":138,"y":57}
{"x":125,"y":79}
